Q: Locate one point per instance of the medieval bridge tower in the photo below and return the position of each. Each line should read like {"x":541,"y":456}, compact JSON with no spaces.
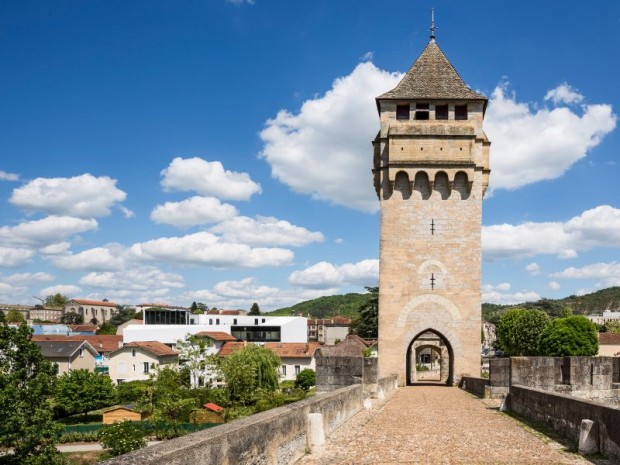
{"x":431,"y":169}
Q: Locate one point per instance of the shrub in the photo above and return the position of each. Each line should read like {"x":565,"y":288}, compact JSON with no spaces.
{"x":79,"y":436}
{"x":120,"y":438}
{"x":519,"y":331}
{"x":574,"y":335}
{"x":305,"y":379}
{"x":420,"y":367}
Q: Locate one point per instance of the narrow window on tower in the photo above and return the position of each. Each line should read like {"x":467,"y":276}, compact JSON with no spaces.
{"x":421,"y":111}
{"x":402,"y":111}
{"x":441,"y":112}
{"x":432,"y":227}
{"x":460,"y":112}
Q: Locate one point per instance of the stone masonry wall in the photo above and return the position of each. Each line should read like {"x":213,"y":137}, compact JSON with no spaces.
{"x":564,"y":414}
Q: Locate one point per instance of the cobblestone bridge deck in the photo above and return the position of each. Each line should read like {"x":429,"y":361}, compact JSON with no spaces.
{"x":438,"y":425}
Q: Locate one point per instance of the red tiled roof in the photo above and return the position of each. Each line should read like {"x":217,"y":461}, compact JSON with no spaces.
{"x":155,"y":347}
{"x":229,"y":347}
{"x":103,"y":344}
{"x":230,"y":312}
{"x":281,"y":349}
{"x":609,"y":339}
{"x":213,"y":407}
{"x":293,"y":349}
{"x":217,"y":336}
{"x":352,"y":346}
{"x":99,"y":303}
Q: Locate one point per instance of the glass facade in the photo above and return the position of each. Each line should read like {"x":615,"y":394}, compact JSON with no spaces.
{"x":257,"y":333}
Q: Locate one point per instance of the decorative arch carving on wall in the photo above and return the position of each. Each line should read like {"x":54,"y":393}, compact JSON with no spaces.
{"x":440,"y":274}
{"x":422,"y":185}
{"x":462,"y":184}
{"x":402,"y":184}
{"x":441,"y":184}
{"x":445,"y":305}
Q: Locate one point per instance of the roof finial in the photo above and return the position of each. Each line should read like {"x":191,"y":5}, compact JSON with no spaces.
{"x":432,"y":25}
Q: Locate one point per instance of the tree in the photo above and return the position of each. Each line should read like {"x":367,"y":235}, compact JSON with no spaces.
{"x":367,"y":324}
{"x":80,"y":391}
{"x":165,"y":398}
{"x":193,"y":307}
{"x":608,"y":327}
{"x":57,"y":300}
{"x":570,"y":336}
{"x":2,"y":317}
{"x":254,"y":310}
{"x":305,"y":379}
{"x":122,"y":437}
{"x":107,"y":328}
{"x":27,"y":383}
{"x":249,"y":370}
{"x":14,"y":316}
{"x":72,"y":318}
{"x":519,"y":331}
{"x":194,"y":355}
{"x":122,"y":315}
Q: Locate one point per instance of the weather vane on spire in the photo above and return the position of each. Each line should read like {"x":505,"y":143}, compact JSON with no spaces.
{"x":433,"y":25}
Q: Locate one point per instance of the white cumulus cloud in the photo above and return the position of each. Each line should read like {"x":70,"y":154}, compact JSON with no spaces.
{"x":193,"y":211}
{"x":324,"y":150}
{"x":531,"y":145}
{"x":325,"y":275}
{"x":597,"y":227}
{"x":204,"y":248}
{"x":46,"y":231}
{"x":84,"y":196}
{"x":4,"y":176}
{"x":564,"y":93}
{"x":554,"y":285}
{"x":208,"y":178}
{"x":21,"y":279}
{"x":533,"y":268}
{"x":608,"y":272}
{"x":138,"y":279}
{"x":265,"y":231}
{"x":11,"y":257}
{"x":69,"y":290}
{"x":98,"y":258}
{"x":497,"y":295}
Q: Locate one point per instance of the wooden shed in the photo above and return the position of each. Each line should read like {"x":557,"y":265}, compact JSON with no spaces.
{"x":121,"y":413}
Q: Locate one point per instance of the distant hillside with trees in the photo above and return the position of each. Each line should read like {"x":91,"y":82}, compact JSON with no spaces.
{"x":327,"y":307}
{"x":349,"y":304}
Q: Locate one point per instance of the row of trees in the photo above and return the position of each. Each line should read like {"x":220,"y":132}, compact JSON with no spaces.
{"x":531,"y":332}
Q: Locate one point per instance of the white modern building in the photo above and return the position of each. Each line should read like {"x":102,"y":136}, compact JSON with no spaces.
{"x":608,"y":315}
{"x":258,"y":329}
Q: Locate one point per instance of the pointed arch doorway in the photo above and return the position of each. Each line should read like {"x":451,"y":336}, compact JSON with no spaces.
{"x":430,"y":359}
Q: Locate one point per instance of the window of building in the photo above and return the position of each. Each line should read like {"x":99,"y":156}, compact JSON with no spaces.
{"x":234,"y":321}
{"x":262,"y":320}
{"x":421,"y":111}
{"x":133,"y":352}
{"x":283,"y":370}
{"x":121,"y":367}
{"x":441,"y":112}
{"x":255,"y":321}
{"x":210,"y":321}
{"x":460,"y":112}
{"x":297,"y":370}
{"x":81,"y":352}
{"x":402,"y":111}
{"x":134,"y":367}
{"x":146,"y":367}
{"x":217,"y":321}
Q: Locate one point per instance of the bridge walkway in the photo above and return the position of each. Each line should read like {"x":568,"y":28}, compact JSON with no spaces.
{"x":437,"y":425}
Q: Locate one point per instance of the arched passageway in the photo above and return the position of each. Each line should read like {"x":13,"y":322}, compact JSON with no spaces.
{"x":430,"y":359}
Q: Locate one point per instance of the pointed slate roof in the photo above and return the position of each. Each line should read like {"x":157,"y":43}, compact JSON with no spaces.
{"x":432,"y":76}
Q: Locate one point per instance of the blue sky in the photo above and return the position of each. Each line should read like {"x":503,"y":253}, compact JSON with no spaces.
{"x":219,"y":151}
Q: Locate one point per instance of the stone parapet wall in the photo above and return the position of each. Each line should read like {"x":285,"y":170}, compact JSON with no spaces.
{"x":274,"y":437}
{"x":476,"y":386}
{"x":335,"y":372}
{"x":564,"y":415}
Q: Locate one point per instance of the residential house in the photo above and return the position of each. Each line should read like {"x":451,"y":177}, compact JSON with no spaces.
{"x":606,"y":316}
{"x":202,"y":375}
{"x":96,"y":312}
{"x":41,"y":313}
{"x":295,"y":357}
{"x":328,"y":330}
{"x":609,"y":344}
{"x":68,"y":355}
{"x":136,"y":360}
{"x":351,"y":346}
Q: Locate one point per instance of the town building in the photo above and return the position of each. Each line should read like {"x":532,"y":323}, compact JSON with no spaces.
{"x":431,"y":170}
{"x":609,"y":344}
{"x":605,"y":317}
{"x":135,"y":361}
{"x":68,"y":355}
{"x":96,"y":312}
{"x":328,"y":330}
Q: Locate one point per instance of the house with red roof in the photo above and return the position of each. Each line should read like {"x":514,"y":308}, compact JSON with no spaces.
{"x":95,"y":312}
{"x":136,"y":360}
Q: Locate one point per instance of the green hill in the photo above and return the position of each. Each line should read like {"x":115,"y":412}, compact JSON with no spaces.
{"x":326,"y":307}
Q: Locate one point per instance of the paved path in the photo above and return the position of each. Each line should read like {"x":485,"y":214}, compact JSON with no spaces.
{"x":437,"y":425}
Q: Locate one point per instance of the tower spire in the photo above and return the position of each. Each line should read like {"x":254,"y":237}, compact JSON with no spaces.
{"x":433,"y":28}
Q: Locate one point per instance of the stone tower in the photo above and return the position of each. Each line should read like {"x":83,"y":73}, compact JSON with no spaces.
{"x":431,"y":169}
